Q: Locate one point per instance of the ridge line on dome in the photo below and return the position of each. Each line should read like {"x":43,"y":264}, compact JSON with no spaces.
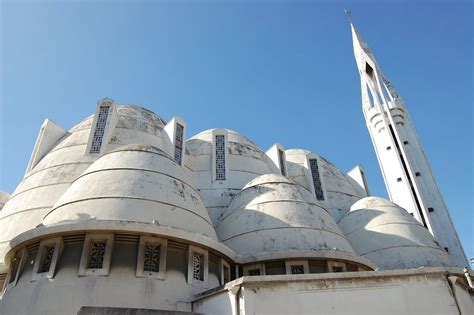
{"x":287,"y":227}
{"x":35,"y":187}
{"x":369,"y":209}
{"x":389,"y":223}
{"x":85,"y":173}
{"x":415,"y":245}
{"x":25,"y":210}
{"x":64,"y":147}
{"x":128,"y":197}
{"x":130,"y":148}
{"x":271,"y":201}
{"x":46,"y":168}
{"x":342,"y":193}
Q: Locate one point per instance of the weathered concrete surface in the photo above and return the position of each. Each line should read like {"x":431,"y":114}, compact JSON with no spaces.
{"x":414,"y":291}
{"x":386,"y":234}
{"x":95,"y":310}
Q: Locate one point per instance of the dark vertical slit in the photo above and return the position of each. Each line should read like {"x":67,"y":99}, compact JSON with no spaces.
{"x":408,"y":176}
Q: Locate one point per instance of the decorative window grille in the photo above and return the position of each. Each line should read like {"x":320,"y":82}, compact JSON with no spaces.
{"x":254,"y":272}
{"x":47,"y":259}
{"x":99,"y":129}
{"x":152,"y":257}
{"x":96,"y":255}
{"x":178,"y":143}
{"x":297,"y":269}
{"x":220,"y":157}
{"x":318,"y":189}
{"x":281,"y":158}
{"x":198,"y":267}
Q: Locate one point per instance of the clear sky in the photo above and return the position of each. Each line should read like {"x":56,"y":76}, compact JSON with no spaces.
{"x":275,"y":71}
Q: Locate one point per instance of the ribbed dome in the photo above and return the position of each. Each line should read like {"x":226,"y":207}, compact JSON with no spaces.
{"x":388,"y":235}
{"x":48,"y":180}
{"x":245,"y":161}
{"x":340,"y":191}
{"x":274,"y":214}
{"x":138,"y":183}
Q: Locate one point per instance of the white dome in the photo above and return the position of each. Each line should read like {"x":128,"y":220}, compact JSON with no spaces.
{"x":388,"y":235}
{"x":340,"y":191}
{"x":137,"y":183}
{"x":273,"y":214}
{"x":245,"y":162}
{"x":48,"y":180}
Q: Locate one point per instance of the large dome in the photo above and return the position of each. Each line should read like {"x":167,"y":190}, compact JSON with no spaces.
{"x":48,"y":180}
{"x":275,"y":217}
{"x":389,"y":236}
{"x":137,"y":183}
{"x":245,"y":162}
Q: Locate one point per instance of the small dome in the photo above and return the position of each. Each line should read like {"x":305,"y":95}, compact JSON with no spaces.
{"x":388,"y":235}
{"x":245,"y":161}
{"x":273,"y":214}
{"x":138,"y":183}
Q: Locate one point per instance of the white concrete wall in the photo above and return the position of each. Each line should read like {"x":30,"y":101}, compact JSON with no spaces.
{"x":396,"y":293}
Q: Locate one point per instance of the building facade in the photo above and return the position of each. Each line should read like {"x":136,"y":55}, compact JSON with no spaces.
{"x":122,"y":214}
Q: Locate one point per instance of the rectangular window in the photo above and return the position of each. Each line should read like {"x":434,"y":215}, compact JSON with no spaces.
{"x":281,"y":159}
{"x":225,"y":272}
{"x":220,"y":157}
{"x":254,"y":270}
{"x":198,"y":265}
{"x":318,"y":189}
{"x":151,"y":260}
{"x":297,"y":269}
{"x":178,"y":143}
{"x":335,"y":266}
{"x":198,"y":270}
{"x":16,"y":265}
{"x":318,"y":266}
{"x":49,"y":251}
{"x":96,"y":254}
{"x":99,"y":129}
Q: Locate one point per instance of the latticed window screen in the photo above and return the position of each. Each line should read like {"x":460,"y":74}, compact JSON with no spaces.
{"x":297,"y":269}
{"x":318,"y":189}
{"x":178,"y":143}
{"x":48,"y":252}
{"x":281,"y":159}
{"x":220,"y":157}
{"x":198,"y":267}
{"x":99,"y":129}
{"x":151,"y":260}
{"x":96,"y":255}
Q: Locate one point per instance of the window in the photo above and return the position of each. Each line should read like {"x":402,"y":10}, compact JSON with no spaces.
{"x":151,"y":261}
{"x":178,"y":143}
{"x":96,"y":254}
{"x":16,"y":265}
{"x":220,"y":157}
{"x":430,"y":209}
{"x":399,"y":179}
{"x":225,"y":272}
{"x":281,"y":159}
{"x":405,"y":142}
{"x":318,"y":266}
{"x":417,"y":174}
{"x":335,"y":266}
{"x":99,"y":129}
{"x":297,"y":267}
{"x":369,"y":70}
{"x":276,"y":267}
{"x":47,"y":258}
{"x":254,"y":270}
{"x":318,"y":189}
{"x":198,"y":265}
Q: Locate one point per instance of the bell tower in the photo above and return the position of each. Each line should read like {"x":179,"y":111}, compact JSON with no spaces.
{"x":408,"y":177}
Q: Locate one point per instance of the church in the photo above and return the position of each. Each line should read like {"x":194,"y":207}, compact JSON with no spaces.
{"x":126,"y":213}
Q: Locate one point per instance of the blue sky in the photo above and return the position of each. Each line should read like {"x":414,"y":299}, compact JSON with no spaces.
{"x":276,"y":71}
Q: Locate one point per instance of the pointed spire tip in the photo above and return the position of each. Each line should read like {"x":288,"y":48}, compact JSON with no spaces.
{"x":348,"y":14}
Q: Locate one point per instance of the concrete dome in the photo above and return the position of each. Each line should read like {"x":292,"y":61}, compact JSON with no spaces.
{"x":136,"y":183}
{"x":388,"y":235}
{"x":245,"y":161}
{"x":48,"y":180}
{"x":340,"y":191}
{"x":274,"y":215}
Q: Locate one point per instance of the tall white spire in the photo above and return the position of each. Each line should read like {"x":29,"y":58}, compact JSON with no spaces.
{"x":407,"y":174}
